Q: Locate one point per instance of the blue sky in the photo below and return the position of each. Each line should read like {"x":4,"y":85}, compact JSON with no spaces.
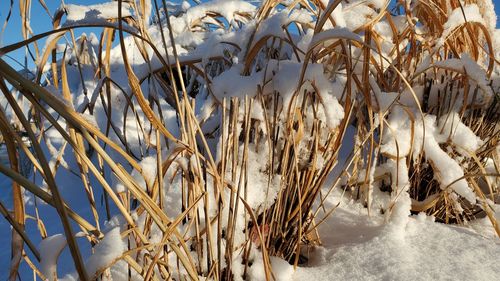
{"x":40,"y":22}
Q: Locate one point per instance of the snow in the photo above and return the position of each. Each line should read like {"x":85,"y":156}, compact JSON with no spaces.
{"x":401,"y":203}
{"x":384,"y":100}
{"x":490,"y":168}
{"x":447,"y":170}
{"x":487,"y":9}
{"x":185,"y":5}
{"x":360,"y":12}
{"x":397,"y":137}
{"x":50,"y":248}
{"x":89,"y":13}
{"x":461,"y":135}
{"x":456,"y":18}
{"x":335,"y":33}
{"x":224,"y":84}
{"x":281,"y":77}
{"x":477,"y":73}
{"x":107,"y":251}
{"x":357,"y":247}
{"x":282,"y":270}
{"x":226,"y":8}
{"x":146,"y":177}
{"x":427,"y":137}
{"x":468,"y":66}
{"x":273,"y":26}
{"x":110,"y":248}
{"x":385,"y":243}
{"x":338,"y":16}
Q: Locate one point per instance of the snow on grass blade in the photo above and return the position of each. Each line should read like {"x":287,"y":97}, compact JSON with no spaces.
{"x":208,"y":140}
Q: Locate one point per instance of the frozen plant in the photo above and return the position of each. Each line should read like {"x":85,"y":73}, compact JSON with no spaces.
{"x":200,"y":140}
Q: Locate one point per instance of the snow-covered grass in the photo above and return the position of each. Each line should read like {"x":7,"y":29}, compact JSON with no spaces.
{"x":229,"y":140}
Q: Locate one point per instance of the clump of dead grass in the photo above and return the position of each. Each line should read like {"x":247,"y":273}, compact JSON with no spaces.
{"x":205,"y":244}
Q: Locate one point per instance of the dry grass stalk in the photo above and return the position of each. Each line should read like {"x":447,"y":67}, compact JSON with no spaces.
{"x":218,"y":231}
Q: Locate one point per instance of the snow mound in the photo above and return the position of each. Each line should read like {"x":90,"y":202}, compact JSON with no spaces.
{"x":428,"y":251}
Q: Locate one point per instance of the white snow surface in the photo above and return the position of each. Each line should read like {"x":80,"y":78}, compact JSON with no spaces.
{"x":470,"y":13}
{"x":282,"y":270}
{"x":357,"y":247}
{"x":78,"y":13}
{"x":428,"y":135}
{"x":461,"y":135}
{"x":50,"y":248}
{"x":105,"y":252}
{"x":110,"y":248}
{"x":392,"y":246}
